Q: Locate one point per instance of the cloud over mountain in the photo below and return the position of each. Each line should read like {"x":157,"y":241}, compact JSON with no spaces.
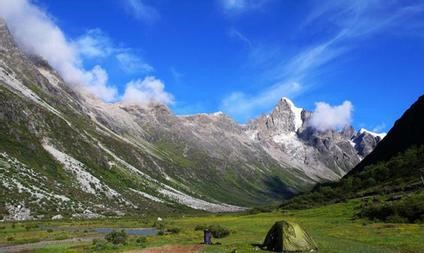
{"x":36,"y":33}
{"x":326,"y":117}
{"x":147,"y":91}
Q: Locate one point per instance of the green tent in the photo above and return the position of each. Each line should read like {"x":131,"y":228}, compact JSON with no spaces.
{"x":287,"y":236}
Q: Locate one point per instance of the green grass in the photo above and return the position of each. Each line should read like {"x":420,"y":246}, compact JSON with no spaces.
{"x":332,"y":227}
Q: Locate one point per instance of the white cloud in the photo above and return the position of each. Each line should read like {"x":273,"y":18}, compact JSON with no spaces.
{"x":36,"y":33}
{"x":364,"y":17}
{"x":139,"y":10}
{"x":98,"y":78}
{"x":326,"y":117}
{"x":94,"y":44}
{"x":145,"y":92}
{"x":244,"y":106}
{"x":310,"y":59}
{"x":350,"y":20}
{"x":131,"y":63}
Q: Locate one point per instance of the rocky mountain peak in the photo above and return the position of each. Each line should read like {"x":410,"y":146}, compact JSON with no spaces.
{"x":348,"y":132}
{"x":286,"y":108}
{"x":285,"y":118}
{"x":365,"y":141}
{"x":374,"y":134}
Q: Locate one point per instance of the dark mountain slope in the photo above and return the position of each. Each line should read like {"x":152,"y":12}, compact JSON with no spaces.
{"x":407,"y":132}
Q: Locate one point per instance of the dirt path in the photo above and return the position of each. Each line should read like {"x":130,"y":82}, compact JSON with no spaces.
{"x":171,"y":249}
{"x":37,"y":245}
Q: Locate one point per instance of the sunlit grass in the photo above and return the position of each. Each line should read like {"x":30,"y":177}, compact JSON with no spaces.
{"x":332,"y":227}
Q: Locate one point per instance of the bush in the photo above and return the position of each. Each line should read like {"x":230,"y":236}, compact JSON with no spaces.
{"x":219,"y":231}
{"x":200,"y":227}
{"x":99,"y":244}
{"x":10,"y":238}
{"x":159,"y":225}
{"x":141,"y":241}
{"x":378,"y":178}
{"x":406,"y":210}
{"x":257,"y":210}
{"x":161,"y":232}
{"x":30,"y":226}
{"x":117,"y":237}
{"x":173,"y":230}
{"x":49,"y":230}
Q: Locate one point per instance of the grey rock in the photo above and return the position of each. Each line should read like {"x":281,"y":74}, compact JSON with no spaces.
{"x":79,"y":152}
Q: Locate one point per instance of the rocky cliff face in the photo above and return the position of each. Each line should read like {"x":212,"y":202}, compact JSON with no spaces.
{"x":365,"y":141}
{"x":64,"y":152}
{"x":328,"y":155}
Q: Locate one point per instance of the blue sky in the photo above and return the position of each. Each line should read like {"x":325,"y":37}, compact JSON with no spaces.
{"x":241,"y":56}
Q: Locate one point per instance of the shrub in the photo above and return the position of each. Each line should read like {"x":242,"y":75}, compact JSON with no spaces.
{"x":99,"y":244}
{"x":10,"y":238}
{"x":174,"y":230}
{"x":30,"y":226}
{"x":161,"y":232}
{"x":200,"y":227}
{"x":257,"y":210}
{"x":117,"y":237}
{"x":396,"y":219}
{"x":141,"y":241}
{"x":159,"y":225}
{"x":49,"y":230}
{"x":405,"y":210}
{"x":219,"y":231}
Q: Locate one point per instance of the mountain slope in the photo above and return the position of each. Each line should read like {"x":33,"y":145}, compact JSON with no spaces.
{"x":64,"y":152}
{"x":406,"y":132}
{"x":395,"y":166}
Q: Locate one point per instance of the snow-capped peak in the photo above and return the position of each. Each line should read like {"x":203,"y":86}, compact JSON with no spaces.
{"x":217,"y":113}
{"x":381,"y":135}
{"x":296,"y":111}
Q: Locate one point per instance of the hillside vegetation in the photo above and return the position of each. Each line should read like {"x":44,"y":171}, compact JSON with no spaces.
{"x":395,"y":186}
{"x":390,"y":180}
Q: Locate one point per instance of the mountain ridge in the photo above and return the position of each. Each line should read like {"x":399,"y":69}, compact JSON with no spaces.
{"x":392,"y":174}
{"x":64,"y":152}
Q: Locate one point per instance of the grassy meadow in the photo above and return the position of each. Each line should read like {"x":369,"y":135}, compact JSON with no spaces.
{"x":333,"y":227}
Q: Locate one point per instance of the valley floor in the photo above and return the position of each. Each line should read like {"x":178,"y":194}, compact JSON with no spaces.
{"x":332,"y":227}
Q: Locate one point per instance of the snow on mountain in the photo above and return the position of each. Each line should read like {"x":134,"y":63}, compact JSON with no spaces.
{"x":297,"y":113}
{"x":380,"y":135}
{"x":318,"y":154}
{"x":111,"y":158}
